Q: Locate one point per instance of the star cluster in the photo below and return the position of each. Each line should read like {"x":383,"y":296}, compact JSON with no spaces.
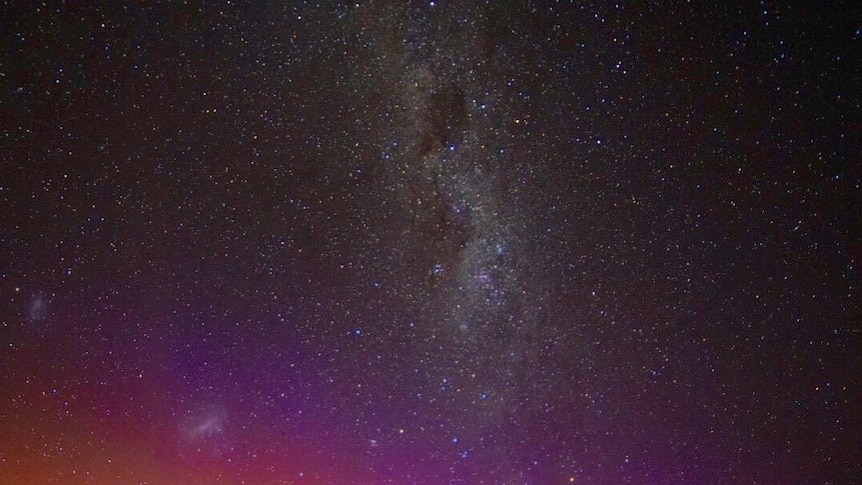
{"x":429,"y":243}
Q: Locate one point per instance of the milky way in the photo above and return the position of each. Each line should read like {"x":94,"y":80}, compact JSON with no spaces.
{"x":429,"y":243}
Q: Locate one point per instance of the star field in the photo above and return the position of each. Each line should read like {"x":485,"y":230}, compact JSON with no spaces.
{"x":429,"y":243}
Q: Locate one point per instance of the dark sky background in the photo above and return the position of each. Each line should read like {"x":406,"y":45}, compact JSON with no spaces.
{"x":430,"y":243}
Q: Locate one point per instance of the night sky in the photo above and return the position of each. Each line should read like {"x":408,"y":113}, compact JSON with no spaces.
{"x":284,"y":242}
